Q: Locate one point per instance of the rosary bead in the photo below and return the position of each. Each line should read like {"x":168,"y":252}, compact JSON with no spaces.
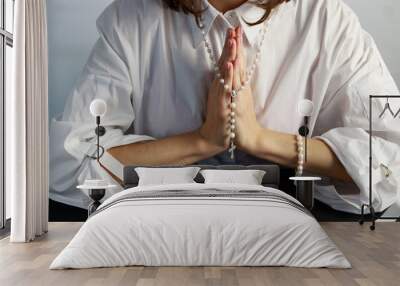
{"x":234,"y":93}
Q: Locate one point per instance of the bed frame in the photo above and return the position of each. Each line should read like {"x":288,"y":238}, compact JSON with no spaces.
{"x":270,"y":179}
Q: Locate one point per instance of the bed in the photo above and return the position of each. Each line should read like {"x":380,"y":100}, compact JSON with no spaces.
{"x":201,"y":224}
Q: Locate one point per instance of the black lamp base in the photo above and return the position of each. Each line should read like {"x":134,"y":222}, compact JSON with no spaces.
{"x":96,"y":195}
{"x":305,"y":193}
{"x":305,"y":190}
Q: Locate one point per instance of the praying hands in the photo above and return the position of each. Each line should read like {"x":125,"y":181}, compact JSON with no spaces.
{"x":232,"y":119}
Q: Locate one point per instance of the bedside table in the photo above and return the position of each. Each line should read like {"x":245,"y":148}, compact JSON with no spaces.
{"x":305,"y":190}
{"x":96,"y":195}
{"x":96,"y":190}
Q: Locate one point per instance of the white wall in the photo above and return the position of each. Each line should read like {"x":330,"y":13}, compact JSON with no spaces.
{"x":381,"y":18}
{"x":72,"y":33}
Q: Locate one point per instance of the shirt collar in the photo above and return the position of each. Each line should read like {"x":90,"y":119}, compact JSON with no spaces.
{"x":246,"y":11}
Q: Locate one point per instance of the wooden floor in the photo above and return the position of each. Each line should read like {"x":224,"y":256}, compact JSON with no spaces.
{"x":375,"y":257}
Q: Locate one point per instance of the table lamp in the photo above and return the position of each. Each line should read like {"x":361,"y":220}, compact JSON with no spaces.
{"x":305,"y":185}
{"x":98,"y":109}
{"x":97,"y":187}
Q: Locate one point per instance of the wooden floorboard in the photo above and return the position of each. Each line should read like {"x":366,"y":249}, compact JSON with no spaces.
{"x":375,"y":257}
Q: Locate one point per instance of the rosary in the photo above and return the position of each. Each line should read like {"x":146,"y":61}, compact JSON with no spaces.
{"x":234,"y":92}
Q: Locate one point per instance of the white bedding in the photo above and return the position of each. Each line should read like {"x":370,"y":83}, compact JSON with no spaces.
{"x":200,"y":231}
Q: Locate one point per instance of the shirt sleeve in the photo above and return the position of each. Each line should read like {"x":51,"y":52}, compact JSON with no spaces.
{"x":107,"y":76}
{"x":359,"y":71}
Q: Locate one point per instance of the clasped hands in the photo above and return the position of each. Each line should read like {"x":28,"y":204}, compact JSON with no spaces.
{"x":216,"y":128}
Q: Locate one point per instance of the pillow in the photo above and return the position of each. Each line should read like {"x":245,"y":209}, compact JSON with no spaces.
{"x":247,"y":177}
{"x":163,"y":176}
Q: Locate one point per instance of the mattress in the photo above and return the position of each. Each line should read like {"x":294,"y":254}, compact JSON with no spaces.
{"x":201,"y":225}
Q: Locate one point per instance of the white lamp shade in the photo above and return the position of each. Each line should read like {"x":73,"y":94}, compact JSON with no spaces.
{"x":306,"y":107}
{"x":98,"y":107}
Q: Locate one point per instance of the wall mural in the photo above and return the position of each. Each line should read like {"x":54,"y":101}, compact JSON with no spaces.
{"x":131,"y":88}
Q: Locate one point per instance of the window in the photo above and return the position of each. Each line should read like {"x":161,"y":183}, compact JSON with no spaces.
{"x":6,"y":61}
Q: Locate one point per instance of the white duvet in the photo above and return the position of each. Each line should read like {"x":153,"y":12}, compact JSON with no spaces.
{"x":200,"y":231}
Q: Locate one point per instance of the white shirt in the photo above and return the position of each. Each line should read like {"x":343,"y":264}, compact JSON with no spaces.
{"x":151,"y":67}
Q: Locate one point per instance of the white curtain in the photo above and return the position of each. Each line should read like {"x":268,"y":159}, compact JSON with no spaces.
{"x":27,"y":123}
